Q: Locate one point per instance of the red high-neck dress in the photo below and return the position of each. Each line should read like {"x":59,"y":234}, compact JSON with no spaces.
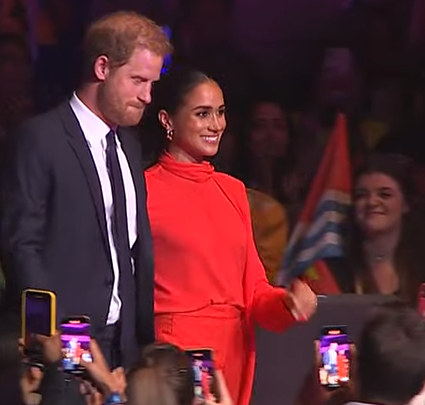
{"x":210,"y":285}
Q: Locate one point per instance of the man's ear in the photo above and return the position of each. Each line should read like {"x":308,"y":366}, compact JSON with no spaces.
{"x":101,"y":68}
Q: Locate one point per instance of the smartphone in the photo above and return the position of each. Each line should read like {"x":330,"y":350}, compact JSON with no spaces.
{"x":204,"y":374}
{"x":38,"y":313}
{"x":421,"y":300}
{"x":38,"y":318}
{"x":335,"y":355}
{"x":75,"y":344}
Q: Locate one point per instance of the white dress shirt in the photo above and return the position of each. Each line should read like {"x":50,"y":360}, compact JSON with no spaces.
{"x":95,"y":131}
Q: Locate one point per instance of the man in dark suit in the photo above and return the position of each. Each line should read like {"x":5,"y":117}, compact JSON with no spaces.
{"x":73,"y":214}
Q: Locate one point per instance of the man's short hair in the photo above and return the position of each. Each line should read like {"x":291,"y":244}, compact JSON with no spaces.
{"x":117,"y":36}
{"x":391,"y":356}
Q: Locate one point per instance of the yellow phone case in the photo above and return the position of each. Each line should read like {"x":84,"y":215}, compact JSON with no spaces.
{"x":52,"y":296}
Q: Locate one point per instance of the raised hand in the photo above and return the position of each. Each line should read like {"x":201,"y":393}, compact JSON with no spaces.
{"x":301,"y":300}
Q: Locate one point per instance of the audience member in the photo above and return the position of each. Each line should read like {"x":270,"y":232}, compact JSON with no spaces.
{"x":388,"y":365}
{"x":384,"y":252}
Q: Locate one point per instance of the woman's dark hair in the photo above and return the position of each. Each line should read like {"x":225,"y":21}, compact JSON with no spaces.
{"x":171,"y":91}
{"x":409,"y":261}
{"x":398,"y":167}
{"x":169,"y":94}
{"x":174,"y":367}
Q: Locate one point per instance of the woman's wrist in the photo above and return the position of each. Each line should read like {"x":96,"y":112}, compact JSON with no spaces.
{"x":111,"y":387}
{"x":115,"y":398}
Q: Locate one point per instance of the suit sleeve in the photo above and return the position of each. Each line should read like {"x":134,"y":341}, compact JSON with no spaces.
{"x":146,"y":329}
{"x":24,"y":189}
{"x":265,"y":302}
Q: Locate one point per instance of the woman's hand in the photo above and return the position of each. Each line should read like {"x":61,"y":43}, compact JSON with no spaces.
{"x":301,"y":300}
{"x":108,"y":382}
{"x":30,"y":382}
{"x":51,"y":347}
{"x":222,"y":389}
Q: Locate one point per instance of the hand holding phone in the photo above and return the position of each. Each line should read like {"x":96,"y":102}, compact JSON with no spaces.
{"x":38,"y":318}
{"x":75,"y":344}
{"x":38,"y":313}
{"x":225,"y":398}
{"x":204,"y":373}
{"x":335,"y":356}
{"x":98,"y":373}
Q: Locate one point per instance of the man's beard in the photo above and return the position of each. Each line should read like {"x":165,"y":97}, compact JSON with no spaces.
{"x":117,"y":112}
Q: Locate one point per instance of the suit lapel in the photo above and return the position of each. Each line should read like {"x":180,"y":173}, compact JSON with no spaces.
{"x":78,"y":143}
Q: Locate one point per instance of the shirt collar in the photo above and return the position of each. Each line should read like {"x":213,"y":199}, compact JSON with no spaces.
{"x":94,"y":129}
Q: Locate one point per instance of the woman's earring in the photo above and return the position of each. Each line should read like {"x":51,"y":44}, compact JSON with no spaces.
{"x":170,"y":134}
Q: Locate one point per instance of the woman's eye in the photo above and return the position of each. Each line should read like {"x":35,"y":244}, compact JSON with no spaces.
{"x":203,"y":114}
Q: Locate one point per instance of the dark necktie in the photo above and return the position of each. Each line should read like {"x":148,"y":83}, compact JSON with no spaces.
{"x":119,"y":219}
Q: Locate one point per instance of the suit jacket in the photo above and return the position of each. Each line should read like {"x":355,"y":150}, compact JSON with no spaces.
{"x":53,"y":231}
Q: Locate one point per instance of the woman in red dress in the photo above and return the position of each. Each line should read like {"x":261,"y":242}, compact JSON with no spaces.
{"x":210,"y":285}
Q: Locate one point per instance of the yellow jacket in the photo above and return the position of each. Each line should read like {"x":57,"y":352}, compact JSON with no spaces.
{"x":270,"y":227}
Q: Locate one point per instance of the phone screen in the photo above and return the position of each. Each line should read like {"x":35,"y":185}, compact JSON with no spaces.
{"x":38,"y":314}
{"x":335,"y":355}
{"x":203,"y":369}
{"x":75,"y":342}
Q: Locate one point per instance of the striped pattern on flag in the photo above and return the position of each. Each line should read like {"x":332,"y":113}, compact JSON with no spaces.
{"x":322,"y":237}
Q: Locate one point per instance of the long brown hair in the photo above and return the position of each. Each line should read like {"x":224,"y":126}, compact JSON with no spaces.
{"x":409,"y":260}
